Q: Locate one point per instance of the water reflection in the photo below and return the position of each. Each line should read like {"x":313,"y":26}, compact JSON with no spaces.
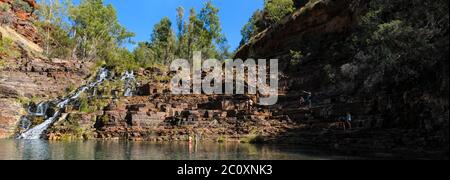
{"x":35,"y":150}
{"x":124,"y":150}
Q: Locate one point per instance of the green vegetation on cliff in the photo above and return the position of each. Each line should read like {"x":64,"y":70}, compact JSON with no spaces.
{"x":89,"y":31}
{"x":20,"y":4}
{"x":7,"y":49}
{"x":401,"y":42}
{"x":273,"y":12}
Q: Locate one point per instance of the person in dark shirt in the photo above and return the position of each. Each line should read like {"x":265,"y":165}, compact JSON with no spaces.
{"x":308,"y":98}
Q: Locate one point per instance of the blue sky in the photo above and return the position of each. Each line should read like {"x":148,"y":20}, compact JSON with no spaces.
{"x":139,"y":16}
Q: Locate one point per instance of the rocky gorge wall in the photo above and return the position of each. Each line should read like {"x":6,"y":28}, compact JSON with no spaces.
{"x":391,"y":117}
{"x":309,"y":43}
{"x":20,"y":19}
{"x":35,"y":80}
{"x":30,"y":76}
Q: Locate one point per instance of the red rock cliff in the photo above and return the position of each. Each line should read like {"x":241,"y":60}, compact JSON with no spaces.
{"x":20,"y":19}
{"x":30,"y":75}
{"x":319,"y":29}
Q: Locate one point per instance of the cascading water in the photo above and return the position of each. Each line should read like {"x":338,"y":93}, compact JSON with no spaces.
{"x":129,"y":78}
{"x":25,"y":123}
{"x":41,"y":110}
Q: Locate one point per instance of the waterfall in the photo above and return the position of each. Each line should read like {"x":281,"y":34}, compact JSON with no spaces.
{"x":41,"y":109}
{"x":128,"y":77}
{"x":37,"y":131}
{"x":128,"y":92}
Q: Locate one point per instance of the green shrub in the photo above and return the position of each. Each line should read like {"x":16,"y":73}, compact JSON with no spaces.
{"x":72,"y":120}
{"x":23,"y":100}
{"x":401,"y":42}
{"x":221,"y":139}
{"x":22,"y":5}
{"x":84,"y":105}
{"x":7,"y":49}
{"x":273,"y":12}
{"x":121,"y":60}
{"x":5,"y":7}
{"x":252,"y":139}
{"x":36,"y":120}
{"x":70,"y":88}
{"x":296,"y":57}
{"x":162,"y":78}
{"x":104,"y":119}
{"x":277,"y":9}
{"x":97,"y":103}
{"x":330,"y":74}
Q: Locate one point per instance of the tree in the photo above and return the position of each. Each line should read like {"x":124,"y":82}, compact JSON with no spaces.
{"x":144,"y":54}
{"x":277,"y":9}
{"x":212,"y":32}
{"x":224,"y":51}
{"x":201,"y":32}
{"x":401,"y":43}
{"x":181,"y":27}
{"x":250,"y":29}
{"x":120,"y":59}
{"x":210,"y":18}
{"x":54,"y":29}
{"x":194,"y":33}
{"x":274,"y":11}
{"x":96,"y":29}
{"x":88,"y":31}
{"x":163,"y":41}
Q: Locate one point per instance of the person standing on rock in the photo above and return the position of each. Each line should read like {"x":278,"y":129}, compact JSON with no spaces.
{"x":348,"y":121}
{"x":302,"y":102}
{"x":250,"y":105}
{"x":308,"y":98}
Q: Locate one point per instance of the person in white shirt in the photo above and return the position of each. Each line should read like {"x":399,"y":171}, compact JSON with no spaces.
{"x":250,"y":104}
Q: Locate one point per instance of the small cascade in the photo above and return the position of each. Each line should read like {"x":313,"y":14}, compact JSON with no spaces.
{"x":129,"y":79}
{"x":128,"y":92}
{"x":41,"y":110}
{"x":25,"y":123}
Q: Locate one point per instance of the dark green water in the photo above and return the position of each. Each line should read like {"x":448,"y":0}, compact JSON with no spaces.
{"x":123,"y":150}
